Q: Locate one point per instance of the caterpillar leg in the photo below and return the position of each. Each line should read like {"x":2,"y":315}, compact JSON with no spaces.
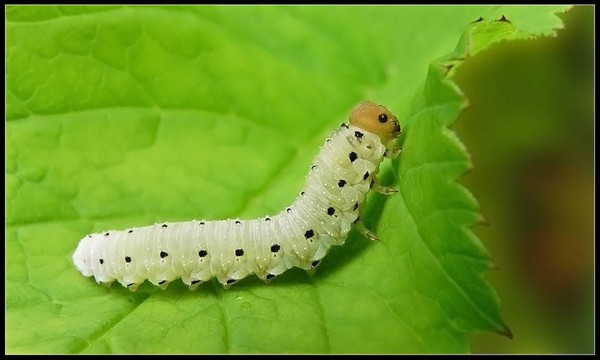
{"x":267,"y":278}
{"x":362,"y":228}
{"x":393,"y":152}
{"x":313,"y":267}
{"x":133,"y":286}
{"x":194,"y":284}
{"x":384,"y":190}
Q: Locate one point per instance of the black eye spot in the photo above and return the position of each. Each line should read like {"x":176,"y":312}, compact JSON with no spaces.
{"x":164,"y":225}
{"x":127,"y":259}
{"x":202,"y":253}
{"x":330,"y":211}
{"x":383,"y":118}
{"x":275,"y":248}
{"x":366,"y":176}
{"x":163,"y":254}
{"x":309,"y":233}
{"x":239,"y":252}
{"x":358,"y":134}
{"x":341,"y":183}
{"x":101,"y":261}
{"x":352,"y":156}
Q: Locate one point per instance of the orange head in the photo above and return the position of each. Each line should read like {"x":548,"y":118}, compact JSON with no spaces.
{"x":375,"y":119}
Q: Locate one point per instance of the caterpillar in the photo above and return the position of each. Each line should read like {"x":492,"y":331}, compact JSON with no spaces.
{"x":299,"y":236}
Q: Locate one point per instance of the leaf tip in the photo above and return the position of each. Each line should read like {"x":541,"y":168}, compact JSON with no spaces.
{"x":506,"y":331}
{"x":503,"y":19}
{"x":482,"y":220}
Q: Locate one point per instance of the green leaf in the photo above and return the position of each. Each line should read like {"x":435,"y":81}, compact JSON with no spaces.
{"x":126,"y":116}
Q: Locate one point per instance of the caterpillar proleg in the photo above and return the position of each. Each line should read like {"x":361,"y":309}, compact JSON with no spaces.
{"x":299,"y":236}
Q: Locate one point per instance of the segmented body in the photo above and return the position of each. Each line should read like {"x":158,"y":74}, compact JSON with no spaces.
{"x":299,"y":236}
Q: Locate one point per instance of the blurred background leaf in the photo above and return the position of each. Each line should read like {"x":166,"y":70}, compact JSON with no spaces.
{"x":530,"y":131}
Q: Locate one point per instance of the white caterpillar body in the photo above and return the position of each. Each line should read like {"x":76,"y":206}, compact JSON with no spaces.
{"x":300,"y":235}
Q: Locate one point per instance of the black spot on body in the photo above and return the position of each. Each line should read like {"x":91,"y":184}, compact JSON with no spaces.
{"x":358,"y":134}
{"x":344,"y":125}
{"x":352,"y":156}
{"x":163,"y":254}
{"x":127,"y":259}
{"x":238,"y":222}
{"x":164,"y":225}
{"x":275,"y":248}
{"x":313,"y":167}
{"x":239,"y":252}
{"x":106,"y":234}
{"x":130,"y":231}
{"x":330,"y":211}
{"x":201,"y":223}
{"x":309,"y":233}
{"x":366,"y":176}
{"x":267,"y":219}
{"x":288,"y":209}
{"x":302,"y":193}
{"x":101,"y":261}
{"x":202,"y":253}
{"x":341,"y":183}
